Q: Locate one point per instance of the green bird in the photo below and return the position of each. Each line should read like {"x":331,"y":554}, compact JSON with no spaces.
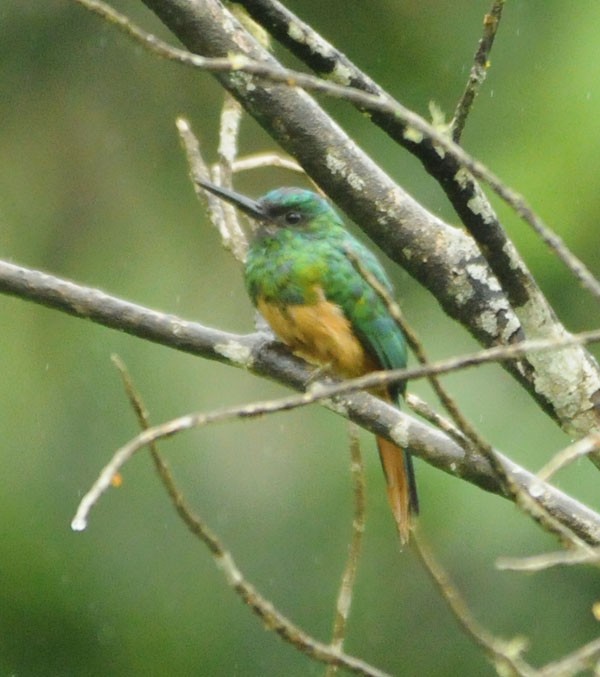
{"x":300,"y":276}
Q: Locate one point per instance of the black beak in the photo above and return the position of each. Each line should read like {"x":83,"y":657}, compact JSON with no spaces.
{"x":245,"y":204}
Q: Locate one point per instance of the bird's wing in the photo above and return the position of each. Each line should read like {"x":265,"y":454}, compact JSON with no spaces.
{"x":368,"y":314}
{"x":381,"y":337}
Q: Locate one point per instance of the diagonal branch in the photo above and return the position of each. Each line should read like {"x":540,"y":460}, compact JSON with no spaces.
{"x":453,"y":270}
{"x":442,"y":158}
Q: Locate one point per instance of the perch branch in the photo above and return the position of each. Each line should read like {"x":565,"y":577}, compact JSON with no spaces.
{"x":255,"y":352}
{"x":258,"y":354}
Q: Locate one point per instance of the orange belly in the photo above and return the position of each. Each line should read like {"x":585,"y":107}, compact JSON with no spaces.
{"x":321,"y":334}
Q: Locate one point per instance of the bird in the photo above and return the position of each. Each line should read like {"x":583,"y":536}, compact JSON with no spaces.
{"x":302,"y":276}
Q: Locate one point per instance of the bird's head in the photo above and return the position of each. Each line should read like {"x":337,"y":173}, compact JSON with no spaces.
{"x":281,"y":208}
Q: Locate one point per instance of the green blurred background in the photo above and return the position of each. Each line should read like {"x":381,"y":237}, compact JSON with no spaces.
{"x":94,"y":187}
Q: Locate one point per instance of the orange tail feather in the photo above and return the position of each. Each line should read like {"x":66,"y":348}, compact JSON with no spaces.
{"x":401,"y":485}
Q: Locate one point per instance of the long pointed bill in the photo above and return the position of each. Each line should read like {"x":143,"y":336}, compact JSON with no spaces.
{"x":243,"y":203}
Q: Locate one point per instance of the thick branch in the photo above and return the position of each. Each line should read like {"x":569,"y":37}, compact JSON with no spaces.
{"x":258,"y":354}
{"x":461,"y":188}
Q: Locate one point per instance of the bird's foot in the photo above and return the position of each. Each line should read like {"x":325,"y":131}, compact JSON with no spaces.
{"x":317,"y":374}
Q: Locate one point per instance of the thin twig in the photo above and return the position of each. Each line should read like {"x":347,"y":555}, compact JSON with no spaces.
{"x":533,"y":507}
{"x":570,"y":516}
{"x":259,"y":160}
{"x":584,"y":658}
{"x":221,"y":214}
{"x":229,"y":129}
{"x":263,"y":608}
{"x":344,"y":600}
{"x":422,"y":408}
{"x":173,"y":427}
{"x":582,"y":447}
{"x":491,"y":22}
{"x":548,"y":560}
{"x":505,"y":655}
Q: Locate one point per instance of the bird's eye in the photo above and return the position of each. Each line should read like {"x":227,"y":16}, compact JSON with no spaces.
{"x":292,"y":218}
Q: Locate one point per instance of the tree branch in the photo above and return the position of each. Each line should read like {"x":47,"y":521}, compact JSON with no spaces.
{"x":260,"y":355}
{"x":446,"y":164}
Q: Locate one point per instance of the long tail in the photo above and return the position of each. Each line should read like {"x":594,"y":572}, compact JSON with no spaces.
{"x":401,"y":485}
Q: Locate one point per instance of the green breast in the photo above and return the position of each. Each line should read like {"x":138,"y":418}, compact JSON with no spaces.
{"x":284,"y":269}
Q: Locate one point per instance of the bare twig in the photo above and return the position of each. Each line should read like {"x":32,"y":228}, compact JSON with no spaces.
{"x":272,"y":618}
{"x":550,"y":559}
{"x":258,"y":160}
{"x":422,"y":408}
{"x":222,"y":215}
{"x":584,"y":658}
{"x":574,"y":451}
{"x":491,"y":22}
{"x":505,"y":655}
{"x":569,"y":516}
{"x":173,"y":427}
{"x":344,"y":599}
{"x":229,"y":129}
